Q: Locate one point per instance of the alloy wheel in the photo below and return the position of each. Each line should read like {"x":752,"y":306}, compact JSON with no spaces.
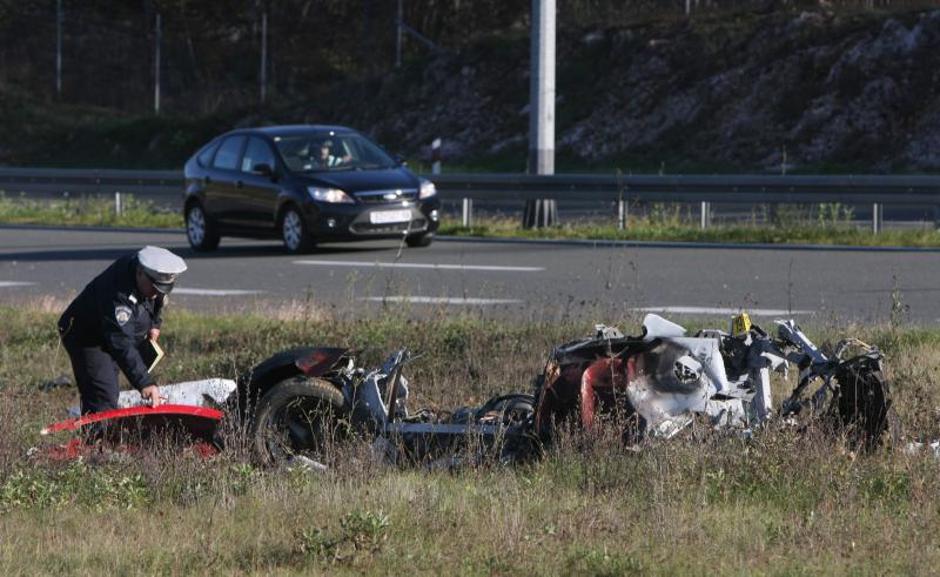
{"x":196,"y":226}
{"x":292,"y":230}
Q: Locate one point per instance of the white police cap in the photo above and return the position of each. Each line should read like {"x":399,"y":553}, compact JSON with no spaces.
{"x":161,"y":265}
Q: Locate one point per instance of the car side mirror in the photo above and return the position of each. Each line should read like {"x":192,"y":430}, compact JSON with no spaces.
{"x":399,"y":161}
{"x":264,"y":169}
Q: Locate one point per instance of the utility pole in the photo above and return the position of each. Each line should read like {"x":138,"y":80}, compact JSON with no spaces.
{"x":158,"y":39}
{"x":398,"y":32}
{"x":542,"y":212}
{"x":264,"y":55}
{"x":542,"y":89}
{"x":59,"y":17}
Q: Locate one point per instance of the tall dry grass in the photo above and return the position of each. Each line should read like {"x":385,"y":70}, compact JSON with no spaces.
{"x":787,"y":501}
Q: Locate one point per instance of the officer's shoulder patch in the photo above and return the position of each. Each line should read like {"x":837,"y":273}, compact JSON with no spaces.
{"x":122,"y":314}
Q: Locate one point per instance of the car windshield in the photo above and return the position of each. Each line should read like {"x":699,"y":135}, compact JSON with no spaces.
{"x":328,"y":150}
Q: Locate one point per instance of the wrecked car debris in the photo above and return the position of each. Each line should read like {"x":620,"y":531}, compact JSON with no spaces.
{"x":335,"y":399}
{"x":210,"y":393}
{"x":193,"y":412}
{"x":299,"y":404}
{"x":659,"y":381}
{"x":853,"y":393}
{"x":931,"y":448}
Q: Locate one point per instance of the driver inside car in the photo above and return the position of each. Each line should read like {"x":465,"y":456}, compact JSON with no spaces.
{"x":324,"y":157}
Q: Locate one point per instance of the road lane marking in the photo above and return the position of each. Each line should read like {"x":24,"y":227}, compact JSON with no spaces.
{"x":420,"y":265}
{"x":440,"y":300}
{"x":213,"y":292}
{"x":13,"y":283}
{"x":679,"y":310}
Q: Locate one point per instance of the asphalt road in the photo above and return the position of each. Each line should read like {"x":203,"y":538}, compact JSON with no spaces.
{"x":514,"y":280}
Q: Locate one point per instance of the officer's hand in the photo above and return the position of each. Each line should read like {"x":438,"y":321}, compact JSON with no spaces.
{"x":152,"y":393}
{"x":154,"y":334}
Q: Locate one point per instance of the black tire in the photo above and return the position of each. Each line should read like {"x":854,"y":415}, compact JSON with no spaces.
{"x":862,"y":403}
{"x":201,"y":232}
{"x":419,"y":240}
{"x":294,"y":233}
{"x":513,"y":409}
{"x":299,"y":417}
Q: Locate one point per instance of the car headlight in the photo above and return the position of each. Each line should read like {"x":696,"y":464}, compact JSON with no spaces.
{"x":329,"y":195}
{"x":427,"y":189}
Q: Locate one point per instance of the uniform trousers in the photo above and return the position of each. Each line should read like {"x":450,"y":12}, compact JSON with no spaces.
{"x":96,"y":374}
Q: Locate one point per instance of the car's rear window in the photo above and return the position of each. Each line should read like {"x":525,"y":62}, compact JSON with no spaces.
{"x":257,"y":152}
{"x":204,"y":157}
{"x":229,"y":153}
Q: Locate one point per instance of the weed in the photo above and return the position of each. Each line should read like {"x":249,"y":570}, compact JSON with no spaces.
{"x":361,"y":533}
{"x":603,"y":563}
{"x":77,"y":484}
{"x":899,"y":309}
{"x":834,"y":214}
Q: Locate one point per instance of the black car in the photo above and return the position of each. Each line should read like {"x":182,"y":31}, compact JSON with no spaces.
{"x":304,"y":184}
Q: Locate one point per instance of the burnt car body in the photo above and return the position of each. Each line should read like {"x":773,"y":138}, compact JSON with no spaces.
{"x":304,"y":184}
{"x":658,"y":383}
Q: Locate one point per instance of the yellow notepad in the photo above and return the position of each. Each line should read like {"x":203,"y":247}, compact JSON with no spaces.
{"x":151,"y":353}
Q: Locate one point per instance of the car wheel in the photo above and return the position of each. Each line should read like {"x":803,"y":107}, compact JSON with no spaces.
{"x":294,"y":232}
{"x":299,"y":420}
{"x":419,"y":240}
{"x":200,"y":231}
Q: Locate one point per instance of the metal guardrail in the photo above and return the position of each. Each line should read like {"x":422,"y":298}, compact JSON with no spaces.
{"x":757,"y":189}
{"x":752,"y":189}
{"x":918,"y":190}
{"x":59,"y":181}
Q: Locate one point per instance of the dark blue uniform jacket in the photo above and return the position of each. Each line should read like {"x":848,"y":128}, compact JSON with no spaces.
{"x":110,"y":314}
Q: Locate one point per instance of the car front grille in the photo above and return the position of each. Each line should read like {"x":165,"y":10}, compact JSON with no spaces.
{"x":388,"y":196}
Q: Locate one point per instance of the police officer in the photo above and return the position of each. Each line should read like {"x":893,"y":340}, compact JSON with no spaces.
{"x":102,"y":328}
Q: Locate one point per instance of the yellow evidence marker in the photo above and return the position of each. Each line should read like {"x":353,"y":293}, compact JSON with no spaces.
{"x":740,"y":324}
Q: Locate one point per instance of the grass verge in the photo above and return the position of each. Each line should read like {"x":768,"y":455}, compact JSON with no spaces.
{"x":825,"y":225}
{"x":786,"y":502}
{"x":676,"y":230}
{"x":87,"y":211}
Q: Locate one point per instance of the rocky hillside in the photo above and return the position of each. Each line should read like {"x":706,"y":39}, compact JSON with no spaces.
{"x":850,"y":93}
{"x":747,"y":91}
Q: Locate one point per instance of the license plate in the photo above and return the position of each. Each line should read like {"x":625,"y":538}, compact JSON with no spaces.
{"x":387,"y":216}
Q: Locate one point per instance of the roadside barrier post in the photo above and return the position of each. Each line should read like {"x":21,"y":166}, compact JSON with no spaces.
{"x":540,"y":213}
{"x":706,"y":214}
{"x":466,"y":217}
{"x":118,"y":209}
{"x":622,"y":214}
{"x":877,"y":217}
